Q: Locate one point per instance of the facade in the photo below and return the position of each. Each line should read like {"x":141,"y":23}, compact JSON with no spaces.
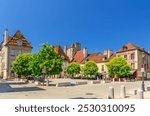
{"x":101,"y":60}
{"x":133,"y":55}
{"x":131,"y":52}
{"x":65,"y":58}
{"x":10,"y":47}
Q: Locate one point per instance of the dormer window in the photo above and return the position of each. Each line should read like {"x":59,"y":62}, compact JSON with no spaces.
{"x":105,"y":58}
{"x":125,"y":48}
{"x":19,"y":42}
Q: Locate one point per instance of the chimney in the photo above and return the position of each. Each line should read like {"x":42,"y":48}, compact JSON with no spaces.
{"x":5,"y":36}
{"x":85,"y":53}
{"x":109,"y":53}
{"x":105,"y":52}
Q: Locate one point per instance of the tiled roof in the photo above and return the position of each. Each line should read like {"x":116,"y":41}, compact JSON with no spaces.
{"x":17,"y":36}
{"x":9,"y":38}
{"x":96,"y":57}
{"x":129,"y":47}
{"x":60,"y":52}
{"x":78,"y":57}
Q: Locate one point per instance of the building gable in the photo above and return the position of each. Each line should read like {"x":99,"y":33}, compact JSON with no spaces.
{"x":18,"y":40}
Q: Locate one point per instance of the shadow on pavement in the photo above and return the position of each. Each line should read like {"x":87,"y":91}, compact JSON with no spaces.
{"x":24,"y":89}
{"x":84,"y":98}
{"x":16,"y":83}
{"x":6,"y":88}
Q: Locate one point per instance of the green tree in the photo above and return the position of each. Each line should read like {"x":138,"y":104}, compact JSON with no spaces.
{"x":90,"y":68}
{"x":73,"y":68}
{"x":21,"y":65}
{"x":47,"y":61}
{"x":35,"y":66}
{"x":119,"y":67}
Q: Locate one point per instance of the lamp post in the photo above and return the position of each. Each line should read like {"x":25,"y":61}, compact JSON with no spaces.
{"x":142,"y":70}
{"x":43,"y":75}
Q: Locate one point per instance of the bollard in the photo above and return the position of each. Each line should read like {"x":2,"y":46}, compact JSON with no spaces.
{"x":111,"y":93}
{"x":47,"y":83}
{"x":113,"y":79}
{"x":123,"y":91}
{"x":119,"y":80}
{"x":140,"y":94}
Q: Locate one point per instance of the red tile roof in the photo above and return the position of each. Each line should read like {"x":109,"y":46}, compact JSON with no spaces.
{"x":60,"y":52}
{"x":96,"y":57}
{"x":129,"y":47}
{"x":18,"y":35}
{"x":78,"y":57}
{"x":9,"y":38}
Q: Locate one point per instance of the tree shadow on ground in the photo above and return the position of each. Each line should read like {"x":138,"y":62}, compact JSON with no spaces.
{"x":16,"y":83}
{"x":84,"y":98}
{"x":6,"y":87}
{"x":23,"y":89}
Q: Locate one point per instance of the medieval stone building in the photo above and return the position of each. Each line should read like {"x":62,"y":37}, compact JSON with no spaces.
{"x":10,"y":47}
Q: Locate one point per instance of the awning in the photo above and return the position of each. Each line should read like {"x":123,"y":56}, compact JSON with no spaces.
{"x":132,"y":72}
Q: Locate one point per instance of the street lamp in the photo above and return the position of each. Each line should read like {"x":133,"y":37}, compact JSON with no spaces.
{"x":43,"y":75}
{"x":142,"y":70}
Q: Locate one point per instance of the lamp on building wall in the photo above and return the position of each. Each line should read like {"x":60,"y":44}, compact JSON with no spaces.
{"x":143,"y":70}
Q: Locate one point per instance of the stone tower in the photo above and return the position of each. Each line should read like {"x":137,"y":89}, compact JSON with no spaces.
{"x":72,"y":50}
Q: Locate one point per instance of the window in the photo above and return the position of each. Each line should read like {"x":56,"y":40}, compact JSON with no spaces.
{"x":105,"y":58}
{"x":19,"y":52}
{"x":132,"y":56}
{"x":132,"y":65}
{"x":19,"y":42}
{"x":102,"y":67}
{"x":125,"y":48}
{"x":12,"y":52}
{"x":125,"y":56}
{"x":12,"y":74}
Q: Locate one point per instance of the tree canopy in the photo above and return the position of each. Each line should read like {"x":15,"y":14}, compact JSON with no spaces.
{"x":90,"y":68}
{"x":21,"y":65}
{"x":35,"y":66}
{"x":118,"y":66}
{"x":47,"y":61}
{"x":73,"y":68}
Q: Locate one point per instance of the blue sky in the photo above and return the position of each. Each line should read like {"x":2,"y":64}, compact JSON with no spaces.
{"x":97,"y":24}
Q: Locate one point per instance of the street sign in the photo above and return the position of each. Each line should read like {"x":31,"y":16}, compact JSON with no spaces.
{"x":142,"y":70}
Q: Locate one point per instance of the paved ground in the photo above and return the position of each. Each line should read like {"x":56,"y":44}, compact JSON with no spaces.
{"x":19,"y":90}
